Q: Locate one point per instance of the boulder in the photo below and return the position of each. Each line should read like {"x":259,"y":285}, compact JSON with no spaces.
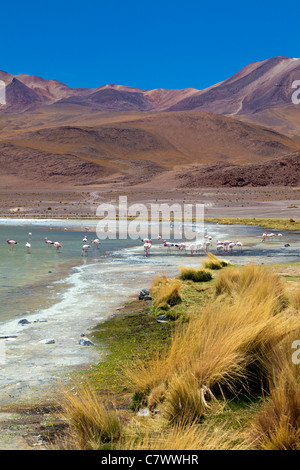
{"x":24,"y":321}
{"x":85,"y":342}
{"x":47,"y":341}
{"x":162,"y":319}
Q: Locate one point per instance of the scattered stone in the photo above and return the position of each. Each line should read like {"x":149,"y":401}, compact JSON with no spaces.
{"x":286,"y":245}
{"x":82,"y":334}
{"x":144,"y":293}
{"x":24,"y":321}
{"x":162,"y":319}
{"x":8,"y":336}
{"x":145,"y":413}
{"x":85,"y":342}
{"x":47,"y":341}
{"x":40,"y":320}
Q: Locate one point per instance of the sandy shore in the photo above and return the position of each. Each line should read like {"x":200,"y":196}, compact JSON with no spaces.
{"x":83,"y":202}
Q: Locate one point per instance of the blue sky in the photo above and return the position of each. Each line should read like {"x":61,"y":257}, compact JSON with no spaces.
{"x":145,"y":44}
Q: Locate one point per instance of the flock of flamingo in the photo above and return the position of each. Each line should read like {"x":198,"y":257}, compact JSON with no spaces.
{"x":84,"y":251}
{"x":193,"y":248}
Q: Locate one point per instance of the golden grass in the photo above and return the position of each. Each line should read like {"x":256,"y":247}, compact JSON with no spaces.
{"x":223,"y":350}
{"x":166,"y":291}
{"x":213,"y":262}
{"x":277,"y":426}
{"x":92,"y":423}
{"x":184,"y":437}
{"x":194,"y":274}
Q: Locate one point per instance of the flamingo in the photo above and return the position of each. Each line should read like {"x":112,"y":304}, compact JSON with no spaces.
{"x":57,"y":245}
{"x":168,"y":245}
{"x":96,"y":242}
{"x":226,"y":243}
{"x":207,"y":244}
{"x":219,"y":247}
{"x":48,"y":242}
{"x":84,"y":239}
{"x":199,"y":246}
{"x":85,"y":250}
{"x":192,"y":247}
{"x":28,"y":246}
{"x":230,"y":246}
{"x":12,"y":243}
{"x":267,"y":235}
{"x":239,"y":244}
{"x":181,"y":247}
{"x":147,"y":247}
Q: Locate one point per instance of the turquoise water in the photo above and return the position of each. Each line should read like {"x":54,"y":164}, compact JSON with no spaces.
{"x":28,"y":276}
{"x":31,"y":281}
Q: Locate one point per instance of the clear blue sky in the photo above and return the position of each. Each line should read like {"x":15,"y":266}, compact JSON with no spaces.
{"x":146,"y":44}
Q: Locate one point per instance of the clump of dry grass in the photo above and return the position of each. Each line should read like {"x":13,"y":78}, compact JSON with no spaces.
{"x":213,"y":262}
{"x":255,"y":282}
{"x":223,"y":350}
{"x":187,"y":437}
{"x":92,"y":424}
{"x":166,"y":291}
{"x":196,"y":275}
{"x":277,"y":426}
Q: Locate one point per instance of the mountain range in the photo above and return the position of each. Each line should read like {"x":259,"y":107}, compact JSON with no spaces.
{"x":56,"y":135}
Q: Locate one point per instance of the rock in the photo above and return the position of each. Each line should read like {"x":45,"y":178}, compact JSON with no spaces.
{"x":8,"y":336}
{"x":286,"y":245}
{"x":145,"y":412}
{"x":40,"y":320}
{"x":162,"y":319}
{"x":24,"y":321}
{"x":147,"y":297}
{"x":47,"y":341}
{"x":85,"y":342}
{"x":144,"y":293}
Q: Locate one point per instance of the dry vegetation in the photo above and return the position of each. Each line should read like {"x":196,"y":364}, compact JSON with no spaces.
{"x":233,"y":348}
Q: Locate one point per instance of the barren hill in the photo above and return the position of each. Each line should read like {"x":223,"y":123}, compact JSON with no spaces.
{"x":51,"y":134}
{"x":136,"y":150}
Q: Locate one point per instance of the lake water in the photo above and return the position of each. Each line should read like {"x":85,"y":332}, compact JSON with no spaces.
{"x":72,"y":293}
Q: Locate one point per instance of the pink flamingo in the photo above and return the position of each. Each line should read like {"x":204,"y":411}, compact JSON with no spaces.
{"x":84,"y":239}
{"x":168,"y":245}
{"x":226,"y":243}
{"x":230,"y":246}
{"x":12,"y":243}
{"x":85,"y":250}
{"x":57,"y":245}
{"x":239,"y":244}
{"x":96,"y":242}
{"x":147,"y":247}
{"x":181,"y":247}
{"x":28,"y":246}
{"x":207,"y":244}
{"x":48,"y":242}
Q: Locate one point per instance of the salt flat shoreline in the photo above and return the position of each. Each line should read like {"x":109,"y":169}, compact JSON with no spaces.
{"x":75,"y":203}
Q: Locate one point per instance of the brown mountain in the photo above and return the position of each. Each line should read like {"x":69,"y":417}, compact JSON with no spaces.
{"x":279,"y":171}
{"x":136,"y":150}
{"x":51,"y":134}
{"x":257,"y":88}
